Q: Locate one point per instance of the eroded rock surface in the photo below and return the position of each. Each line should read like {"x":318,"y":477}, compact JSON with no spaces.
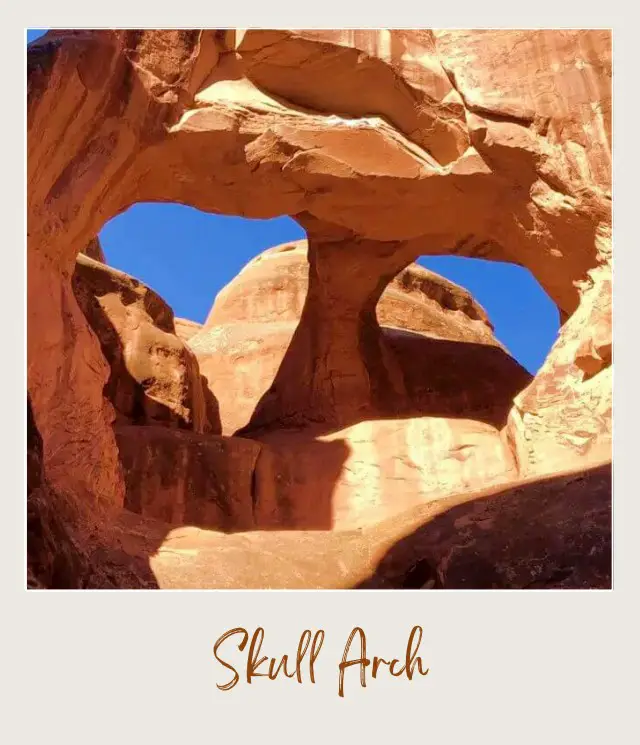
{"x":425,"y":424}
{"x":154,"y":377}
{"x":187,"y":478}
{"x":185,"y":328}
{"x":545,"y":534}
{"x":54,"y":556}
{"x":384,"y":145}
{"x":94,"y":251}
{"x":435,"y":355}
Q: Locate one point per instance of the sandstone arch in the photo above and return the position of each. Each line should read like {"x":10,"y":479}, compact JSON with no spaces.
{"x":384,"y":145}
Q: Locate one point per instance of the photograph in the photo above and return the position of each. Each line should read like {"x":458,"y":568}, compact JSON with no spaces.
{"x":318,"y":309}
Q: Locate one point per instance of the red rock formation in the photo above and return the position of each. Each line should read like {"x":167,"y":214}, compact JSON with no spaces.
{"x":154,"y":377}
{"x":385,"y":145}
{"x":427,"y":372}
{"x":54,"y":558}
{"x":551,"y":533}
{"x":58,"y":552}
{"x":183,"y":477}
{"x":426,"y":424}
{"x":94,"y":251}
{"x":185,"y":328}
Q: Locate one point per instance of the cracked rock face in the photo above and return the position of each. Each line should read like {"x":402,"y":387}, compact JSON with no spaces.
{"x":384,"y":145}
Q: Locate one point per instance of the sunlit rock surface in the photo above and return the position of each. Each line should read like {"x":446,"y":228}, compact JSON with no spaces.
{"x":385,"y":146}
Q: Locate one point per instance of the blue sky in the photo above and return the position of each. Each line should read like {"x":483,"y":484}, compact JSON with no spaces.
{"x":187,"y":256}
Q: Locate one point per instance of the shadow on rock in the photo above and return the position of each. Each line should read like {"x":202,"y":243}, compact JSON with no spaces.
{"x":547,"y":534}
{"x":64,"y":551}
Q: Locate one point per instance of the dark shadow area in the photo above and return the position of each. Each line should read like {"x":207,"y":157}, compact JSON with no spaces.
{"x":444,"y":378}
{"x":438,"y":378}
{"x":64,"y":550}
{"x":229,"y":484}
{"x":286,"y":500}
{"x":553,"y":533}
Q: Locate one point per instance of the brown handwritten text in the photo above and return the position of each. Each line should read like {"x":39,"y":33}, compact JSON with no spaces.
{"x":309,"y":646}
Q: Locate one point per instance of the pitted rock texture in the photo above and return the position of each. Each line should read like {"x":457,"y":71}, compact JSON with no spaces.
{"x":576,"y":378}
{"x":154,"y":377}
{"x":384,"y":145}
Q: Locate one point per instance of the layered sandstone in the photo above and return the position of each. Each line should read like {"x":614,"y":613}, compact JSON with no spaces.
{"x":385,"y":145}
{"x":273,"y":288}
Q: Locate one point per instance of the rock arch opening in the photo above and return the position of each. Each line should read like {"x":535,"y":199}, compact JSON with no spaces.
{"x":430,"y":356}
{"x":218,"y":122}
{"x":524,"y":318}
{"x":188,"y":256}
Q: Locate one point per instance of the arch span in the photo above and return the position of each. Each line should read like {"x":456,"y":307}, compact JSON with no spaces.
{"x":250,"y":123}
